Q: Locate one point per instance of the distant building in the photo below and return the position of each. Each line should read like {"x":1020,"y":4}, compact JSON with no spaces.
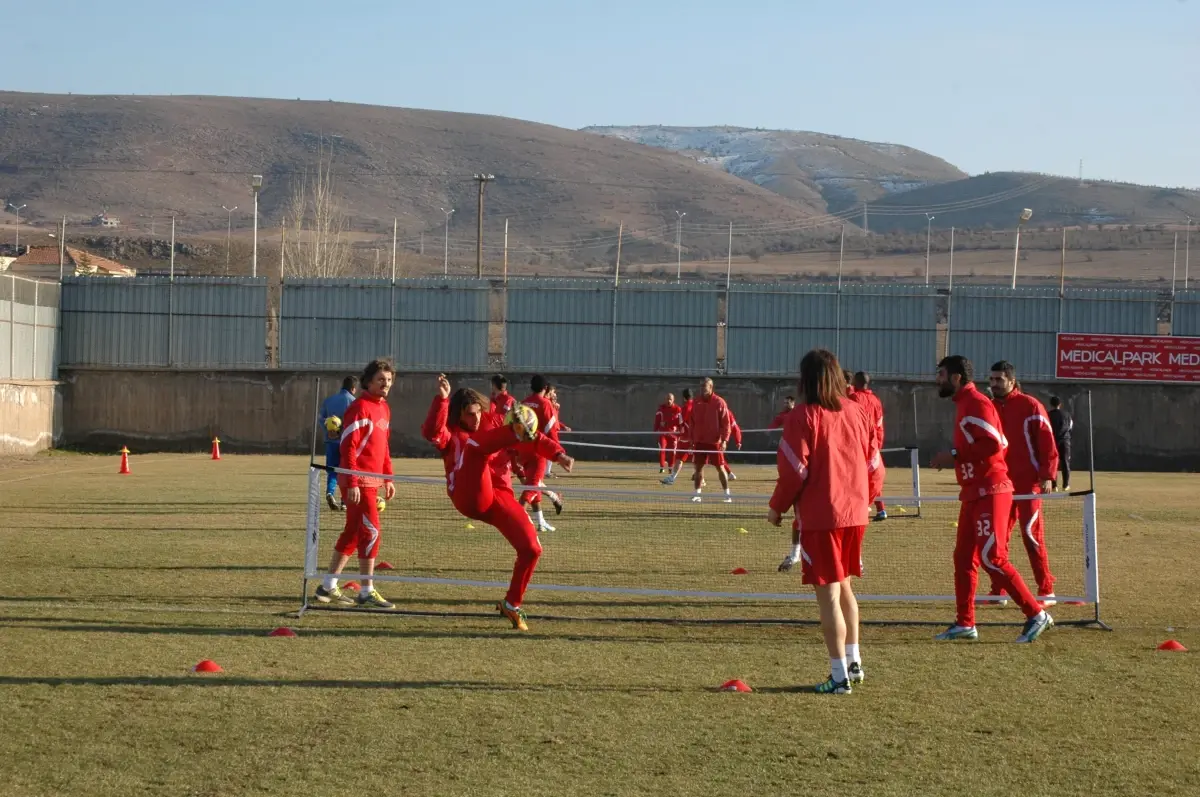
{"x":42,"y":262}
{"x":105,"y":220}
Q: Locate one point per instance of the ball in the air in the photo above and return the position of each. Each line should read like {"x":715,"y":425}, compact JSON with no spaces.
{"x":333,"y":424}
{"x":523,"y":420}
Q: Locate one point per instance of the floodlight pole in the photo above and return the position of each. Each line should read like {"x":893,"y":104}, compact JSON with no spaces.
{"x":928,"y":231}
{"x":446,"y":243}
{"x":17,"y":211}
{"x":1187,"y":252}
{"x":679,"y":245}
{"x":256,"y":182}
{"x":1026,"y":215}
{"x":228,"y":232}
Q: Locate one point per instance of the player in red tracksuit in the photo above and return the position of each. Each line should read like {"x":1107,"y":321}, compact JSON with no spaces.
{"x":789,"y":404}
{"x":986,"y":500}
{"x":709,"y":434}
{"x":735,"y":437}
{"x":1032,"y":460}
{"x":533,"y":466}
{"x":874,"y":407}
{"x":684,"y":445}
{"x":823,"y":461}
{"x":668,"y":422}
{"x":366,"y":427}
{"x":501,"y":402}
{"x":471,"y":443}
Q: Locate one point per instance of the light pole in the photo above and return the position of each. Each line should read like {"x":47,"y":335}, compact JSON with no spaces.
{"x":446,"y":243}
{"x":679,"y":245}
{"x":928,"y":229}
{"x":1026,"y":215}
{"x":1187,"y":252}
{"x":17,"y":211}
{"x":228,"y":232}
{"x":256,"y":181}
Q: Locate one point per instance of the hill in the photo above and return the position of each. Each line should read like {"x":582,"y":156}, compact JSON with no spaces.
{"x":144,"y":158}
{"x":812,"y":167}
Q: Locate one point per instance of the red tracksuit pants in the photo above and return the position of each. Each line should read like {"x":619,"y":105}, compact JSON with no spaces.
{"x":511,"y":520}
{"x":981,"y":541}
{"x":362,"y":526}
{"x":1033,"y":533}
{"x":667,"y":446}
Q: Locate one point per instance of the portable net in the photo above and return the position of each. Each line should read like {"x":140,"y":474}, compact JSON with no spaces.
{"x":655,"y":554}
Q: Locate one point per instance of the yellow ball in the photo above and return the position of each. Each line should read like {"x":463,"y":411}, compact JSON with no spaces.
{"x":380,"y":504}
{"x":333,"y":424}
{"x":523,"y":420}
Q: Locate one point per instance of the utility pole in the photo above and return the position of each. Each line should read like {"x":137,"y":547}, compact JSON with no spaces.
{"x":729,"y":259}
{"x":482,"y":179}
{"x":172,"y":246}
{"x":1187,"y":252}
{"x":928,"y":230}
{"x":395,"y":229}
{"x":506,"y":250}
{"x":679,"y":245}
{"x":446,"y":243}
{"x":866,"y":226}
{"x":228,"y":232}
{"x":1062,"y":264}
{"x":617,"y":271}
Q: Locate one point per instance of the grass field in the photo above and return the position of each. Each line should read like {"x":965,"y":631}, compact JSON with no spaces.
{"x":112,"y":588}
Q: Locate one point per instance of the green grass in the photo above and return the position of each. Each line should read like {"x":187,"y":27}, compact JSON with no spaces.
{"x":112,"y":588}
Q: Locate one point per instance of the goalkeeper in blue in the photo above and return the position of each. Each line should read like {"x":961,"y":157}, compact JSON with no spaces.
{"x":332,"y":410}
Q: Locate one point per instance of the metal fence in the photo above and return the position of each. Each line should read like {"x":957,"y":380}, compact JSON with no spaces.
{"x":571,"y":326}
{"x":28,"y":328}
{"x":157,"y":322}
{"x":424,"y":324}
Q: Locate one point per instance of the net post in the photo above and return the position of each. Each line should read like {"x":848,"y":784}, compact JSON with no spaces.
{"x":312,"y":453}
{"x":312,"y":536}
{"x":914,"y":461}
{"x":1091,"y":443}
{"x":1091,"y":563}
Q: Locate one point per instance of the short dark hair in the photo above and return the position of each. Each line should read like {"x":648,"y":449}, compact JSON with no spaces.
{"x":687,"y":394}
{"x":822,"y":380}
{"x":847,"y":377}
{"x":538,"y":384}
{"x":1055,"y":402}
{"x":862,"y":380}
{"x":375,"y":366}
{"x":350,"y":383}
{"x":499,"y":381}
{"x":957,"y":364}
{"x":791,"y":399}
{"x":1006,"y":368}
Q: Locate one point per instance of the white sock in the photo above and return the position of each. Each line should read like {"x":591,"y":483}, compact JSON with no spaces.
{"x":329,"y":583}
{"x":797,"y":551}
{"x":727,"y":491}
{"x":540,"y":518}
{"x":509,"y":606}
{"x":697,"y":491}
{"x":838,"y":666}
{"x":852,"y":654}
{"x":366,"y":587}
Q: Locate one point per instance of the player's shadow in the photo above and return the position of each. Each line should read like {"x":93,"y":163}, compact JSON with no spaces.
{"x":214,"y":568}
{"x":331,"y":683}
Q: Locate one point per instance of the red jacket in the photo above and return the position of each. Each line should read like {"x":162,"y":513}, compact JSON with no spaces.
{"x":823,"y":462}
{"x":710,"y":421}
{"x":735,"y":431}
{"x":546,"y":414}
{"x":474,"y":472}
{"x":500,"y":405}
{"x":686,"y":431}
{"x":668,"y":419}
{"x":980,"y":445}
{"x":778,"y":421}
{"x":1032,"y":454}
{"x":874,"y":407}
{"x":366,"y":427}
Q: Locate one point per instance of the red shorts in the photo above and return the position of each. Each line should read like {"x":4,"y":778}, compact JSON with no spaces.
{"x":830,"y":556}
{"x":706,"y":454}
{"x":534,"y":469}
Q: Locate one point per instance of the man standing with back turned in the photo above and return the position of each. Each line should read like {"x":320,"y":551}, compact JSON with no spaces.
{"x":985,"y":497}
{"x":1061,"y":424}
{"x":1032,"y":461}
{"x":333,"y":409}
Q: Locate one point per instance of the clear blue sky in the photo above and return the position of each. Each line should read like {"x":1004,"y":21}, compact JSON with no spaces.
{"x":986,"y":84}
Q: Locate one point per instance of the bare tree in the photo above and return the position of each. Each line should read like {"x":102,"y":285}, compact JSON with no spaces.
{"x":317,"y":245}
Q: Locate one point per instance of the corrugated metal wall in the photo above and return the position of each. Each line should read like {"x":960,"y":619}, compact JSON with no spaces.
{"x":991,"y":324}
{"x":1185,"y":314}
{"x":420,"y":323}
{"x":887,"y":330}
{"x":563,"y":326}
{"x":28,"y":328}
{"x":188,"y":322}
{"x":667,"y":328}
{"x":1112,"y":312}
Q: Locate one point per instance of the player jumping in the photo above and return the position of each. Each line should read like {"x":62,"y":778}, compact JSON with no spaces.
{"x":986,"y":501}
{"x":364,"y":447}
{"x":470,"y":442}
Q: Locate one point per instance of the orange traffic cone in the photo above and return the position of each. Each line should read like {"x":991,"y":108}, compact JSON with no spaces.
{"x":216,"y":449}
{"x":124,"y":462}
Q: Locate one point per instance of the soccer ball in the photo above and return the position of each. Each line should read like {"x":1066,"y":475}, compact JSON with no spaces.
{"x":380,"y":504}
{"x":523,"y":420}
{"x":333,"y":425}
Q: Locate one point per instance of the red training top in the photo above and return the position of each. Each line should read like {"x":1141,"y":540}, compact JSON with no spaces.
{"x":874,"y":407}
{"x":823,"y":462}
{"x":500,"y":405}
{"x":979,"y":445}
{"x":668,"y":419}
{"x":1032,"y":454}
{"x":735,"y":431}
{"x":546,"y":414}
{"x":778,"y":421}
{"x":366,"y":427}
{"x":710,"y":421}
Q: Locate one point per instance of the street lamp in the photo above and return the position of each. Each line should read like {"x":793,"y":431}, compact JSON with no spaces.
{"x":446,"y":243}
{"x":255,"y":186}
{"x":679,"y":245}
{"x":228,"y":232}
{"x":18,"y":210}
{"x":928,"y":229}
{"x":1026,"y":215}
{"x":1187,"y":252}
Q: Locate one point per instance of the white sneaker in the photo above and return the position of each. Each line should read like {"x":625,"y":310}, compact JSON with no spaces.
{"x":728,"y":499}
{"x":1048,"y":600}
{"x":731,"y":475}
{"x":696,"y":499}
{"x":1034,"y":627}
{"x":668,"y":481}
{"x":545,"y":527}
{"x":956,"y":632}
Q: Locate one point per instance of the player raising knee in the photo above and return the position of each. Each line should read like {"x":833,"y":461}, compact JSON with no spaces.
{"x":470,"y":442}
{"x":364,"y":447}
{"x":823,"y":461}
{"x":533,"y":467}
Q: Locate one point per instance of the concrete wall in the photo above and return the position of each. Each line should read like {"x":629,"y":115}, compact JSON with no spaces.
{"x":1137,"y":427}
{"x":31,"y":417}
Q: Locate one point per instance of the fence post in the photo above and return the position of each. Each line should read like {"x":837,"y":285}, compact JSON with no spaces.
{"x":837,"y":323}
{"x":12,"y":329}
{"x":33,"y":358}
{"x":170,"y":318}
{"x":614,"y":326}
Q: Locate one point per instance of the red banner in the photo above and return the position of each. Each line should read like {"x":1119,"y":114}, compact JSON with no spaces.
{"x":1144,"y":358}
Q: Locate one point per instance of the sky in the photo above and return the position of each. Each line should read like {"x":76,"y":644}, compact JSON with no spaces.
{"x":1030,"y":85}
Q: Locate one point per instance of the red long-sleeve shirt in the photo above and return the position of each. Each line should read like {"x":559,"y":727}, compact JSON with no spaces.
{"x":1032,"y":455}
{"x":735,"y":431}
{"x":710,"y":421}
{"x":823,"y":462}
{"x":778,"y":421}
{"x":980,"y":445}
{"x":501,"y":404}
{"x":668,"y":419}
{"x":546,"y":414}
{"x":474,"y":472}
{"x":874,"y":407}
{"x":366,"y":427}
